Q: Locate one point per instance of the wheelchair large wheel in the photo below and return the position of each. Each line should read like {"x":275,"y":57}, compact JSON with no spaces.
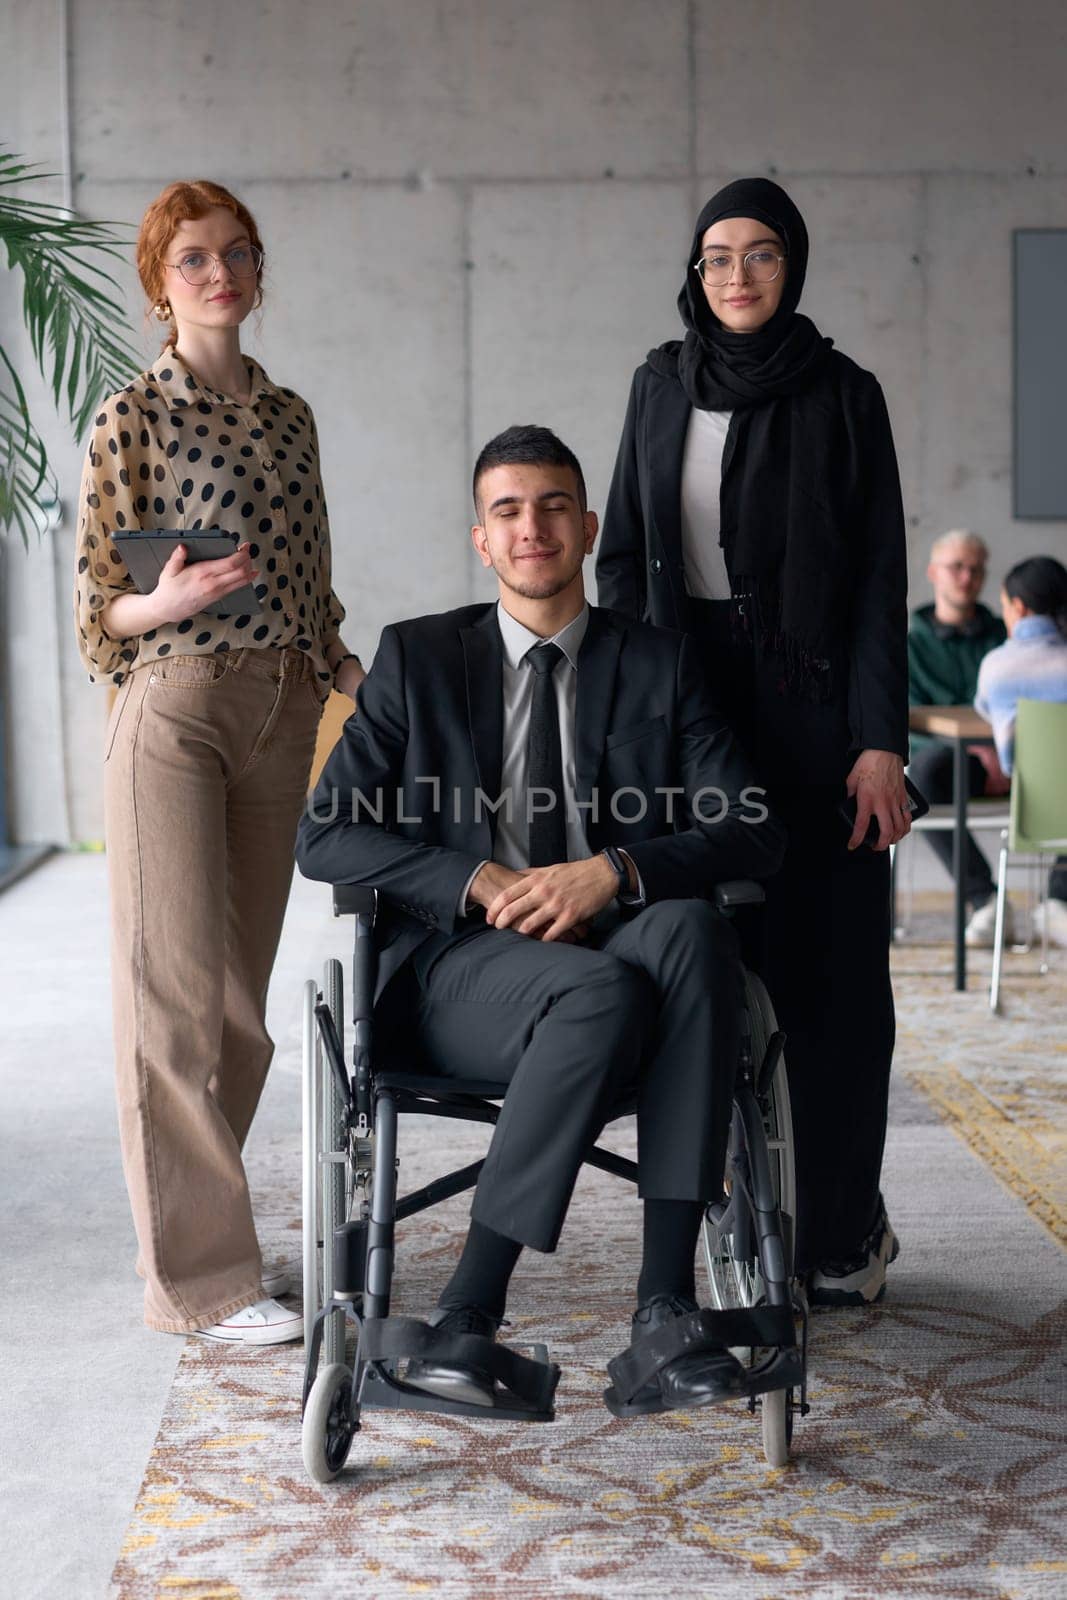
{"x":731,"y":1249}
{"x":731,"y":1255}
{"x":324,"y":1188}
{"x":328,"y":1429}
{"x":333,"y":1171}
{"x":309,"y":1128}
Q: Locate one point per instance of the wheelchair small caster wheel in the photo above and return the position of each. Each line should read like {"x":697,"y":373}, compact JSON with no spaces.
{"x":776,"y":1417}
{"x":328,"y":1426}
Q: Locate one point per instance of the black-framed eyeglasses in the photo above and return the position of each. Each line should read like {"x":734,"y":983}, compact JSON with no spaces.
{"x":198,"y":267}
{"x":762,"y":266}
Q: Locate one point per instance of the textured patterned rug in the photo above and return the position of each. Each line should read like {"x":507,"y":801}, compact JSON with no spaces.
{"x":931,"y":1463}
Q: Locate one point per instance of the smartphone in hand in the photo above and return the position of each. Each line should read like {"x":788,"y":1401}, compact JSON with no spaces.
{"x":918,"y":805}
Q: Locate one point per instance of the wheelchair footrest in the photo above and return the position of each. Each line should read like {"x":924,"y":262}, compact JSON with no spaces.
{"x":526,"y":1387}
{"x":634,"y":1390}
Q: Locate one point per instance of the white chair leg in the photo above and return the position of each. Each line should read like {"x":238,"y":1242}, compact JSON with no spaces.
{"x":1033,"y":898}
{"x":909,"y":868}
{"x":1042,"y":898}
{"x":998,"y":932}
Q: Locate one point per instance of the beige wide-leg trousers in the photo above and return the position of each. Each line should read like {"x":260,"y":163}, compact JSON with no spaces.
{"x":206,"y":769}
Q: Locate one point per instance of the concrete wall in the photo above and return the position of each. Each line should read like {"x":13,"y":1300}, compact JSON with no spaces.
{"x":476,"y":214}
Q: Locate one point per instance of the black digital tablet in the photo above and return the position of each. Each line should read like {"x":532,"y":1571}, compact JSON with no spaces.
{"x":146,"y":552}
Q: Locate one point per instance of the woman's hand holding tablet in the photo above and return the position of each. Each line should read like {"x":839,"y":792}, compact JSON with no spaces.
{"x":186,"y":572}
{"x":186,"y":588}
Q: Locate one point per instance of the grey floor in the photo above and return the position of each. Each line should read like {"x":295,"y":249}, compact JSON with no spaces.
{"x":84,"y":1383}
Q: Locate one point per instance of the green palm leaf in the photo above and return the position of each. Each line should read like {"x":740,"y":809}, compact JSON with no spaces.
{"x":27,"y":482}
{"x":73,"y":313}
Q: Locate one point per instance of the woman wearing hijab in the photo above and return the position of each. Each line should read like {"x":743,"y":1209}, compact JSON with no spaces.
{"x":756,"y":505}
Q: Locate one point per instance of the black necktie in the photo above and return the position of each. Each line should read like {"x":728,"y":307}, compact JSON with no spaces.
{"x":544,"y":768}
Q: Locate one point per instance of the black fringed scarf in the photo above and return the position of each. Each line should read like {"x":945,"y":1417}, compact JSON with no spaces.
{"x":781,"y":534}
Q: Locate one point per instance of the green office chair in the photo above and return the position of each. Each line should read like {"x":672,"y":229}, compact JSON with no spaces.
{"x":1037,"y":824}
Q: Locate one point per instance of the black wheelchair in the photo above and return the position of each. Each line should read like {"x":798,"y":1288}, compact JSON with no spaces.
{"x":351,"y":1207}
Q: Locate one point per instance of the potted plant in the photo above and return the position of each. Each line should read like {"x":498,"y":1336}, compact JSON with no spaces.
{"x":74,"y":315}
{"x":73,"y":312}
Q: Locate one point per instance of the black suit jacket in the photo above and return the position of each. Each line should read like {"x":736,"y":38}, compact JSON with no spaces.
{"x":640,"y":571}
{"x":397,"y":804}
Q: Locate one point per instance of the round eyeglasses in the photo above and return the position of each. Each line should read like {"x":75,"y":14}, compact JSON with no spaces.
{"x":762,"y":266}
{"x":198,"y":267}
{"x":973,"y":569}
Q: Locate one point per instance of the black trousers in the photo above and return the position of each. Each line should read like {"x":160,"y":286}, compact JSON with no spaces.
{"x":572,"y":1029}
{"x":931,"y":771}
{"x":826,"y":963}
{"x":822,"y":946}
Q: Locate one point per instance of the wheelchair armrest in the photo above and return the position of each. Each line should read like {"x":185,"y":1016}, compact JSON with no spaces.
{"x":354,"y":899}
{"x":738,"y":892}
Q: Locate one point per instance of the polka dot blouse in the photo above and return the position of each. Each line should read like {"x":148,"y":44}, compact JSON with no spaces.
{"x":167,"y":452}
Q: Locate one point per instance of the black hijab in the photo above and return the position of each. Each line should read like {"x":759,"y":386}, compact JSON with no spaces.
{"x":780,"y":533}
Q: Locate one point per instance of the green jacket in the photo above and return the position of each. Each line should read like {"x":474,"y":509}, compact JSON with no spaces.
{"x":943,"y":661}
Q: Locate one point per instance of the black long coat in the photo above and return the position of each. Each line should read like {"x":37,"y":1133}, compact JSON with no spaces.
{"x":640,"y":571}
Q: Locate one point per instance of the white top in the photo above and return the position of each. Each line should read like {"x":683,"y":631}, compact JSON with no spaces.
{"x":706,"y":577}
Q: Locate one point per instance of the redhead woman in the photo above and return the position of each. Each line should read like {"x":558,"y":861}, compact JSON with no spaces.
{"x":208,"y":750}
{"x":756,"y":505}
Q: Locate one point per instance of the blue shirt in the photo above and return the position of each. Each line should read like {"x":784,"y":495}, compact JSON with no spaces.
{"x":1031,"y":665}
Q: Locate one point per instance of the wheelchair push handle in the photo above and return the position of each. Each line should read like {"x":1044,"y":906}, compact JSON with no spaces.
{"x":334,"y":1054}
{"x":356,"y":899}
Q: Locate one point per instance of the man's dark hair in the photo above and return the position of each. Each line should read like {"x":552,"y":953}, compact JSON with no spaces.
{"x":1040,"y":582}
{"x":525,"y":445}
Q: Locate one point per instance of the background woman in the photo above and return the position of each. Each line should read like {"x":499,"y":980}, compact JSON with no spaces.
{"x":756,"y":504}
{"x":208,"y":750}
{"x":1030,"y":665}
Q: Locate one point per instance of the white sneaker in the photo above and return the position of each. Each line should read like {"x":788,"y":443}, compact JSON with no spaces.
{"x":1053,"y":914}
{"x":266,"y":1322}
{"x":981,"y":929}
{"x":276,"y":1281}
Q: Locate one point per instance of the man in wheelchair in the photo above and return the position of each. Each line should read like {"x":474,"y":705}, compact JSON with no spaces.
{"x":546,"y":796}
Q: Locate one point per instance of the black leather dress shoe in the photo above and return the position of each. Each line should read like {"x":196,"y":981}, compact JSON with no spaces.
{"x":689,"y":1380}
{"x":453,"y":1381}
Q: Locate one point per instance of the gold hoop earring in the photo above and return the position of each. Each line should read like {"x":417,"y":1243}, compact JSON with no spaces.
{"x":162,"y":311}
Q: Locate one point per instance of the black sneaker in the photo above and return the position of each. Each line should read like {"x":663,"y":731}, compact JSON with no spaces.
{"x":473,"y":1385}
{"x":860,"y":1281}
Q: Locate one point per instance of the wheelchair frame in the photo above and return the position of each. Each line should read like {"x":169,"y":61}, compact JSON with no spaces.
{"x":350,"y":1206}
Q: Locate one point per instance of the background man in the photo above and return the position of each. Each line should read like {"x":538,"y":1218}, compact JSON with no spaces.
{"x":946,"y":643}
{"x":567,"y":948}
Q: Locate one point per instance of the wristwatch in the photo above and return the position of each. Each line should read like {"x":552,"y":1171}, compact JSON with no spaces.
{"x":618,"y":866}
